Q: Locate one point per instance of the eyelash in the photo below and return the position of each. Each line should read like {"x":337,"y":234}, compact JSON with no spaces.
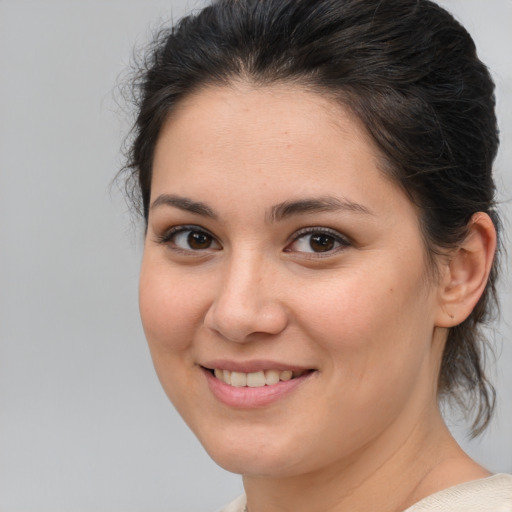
{"x":340,"y":242}
{"x":168,"y":238}
{"x":336,"y":237}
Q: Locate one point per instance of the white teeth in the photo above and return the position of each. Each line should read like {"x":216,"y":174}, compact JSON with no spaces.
{"x":255,"y":379}
{"x":271,"y":377}
{"x":238,"y":379}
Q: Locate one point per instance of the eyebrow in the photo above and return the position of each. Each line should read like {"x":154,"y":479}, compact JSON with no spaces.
{"x":185,"y":204}
{"x":277,"y":213}
{"x":314,"y":205}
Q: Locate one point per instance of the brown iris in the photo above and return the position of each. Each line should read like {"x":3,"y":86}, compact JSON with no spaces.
{"x":321,"y":242}
{"x":198,"y":240}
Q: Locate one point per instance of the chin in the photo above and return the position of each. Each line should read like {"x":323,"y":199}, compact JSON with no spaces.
{"x":247,"y":462}
{"x":257,"y":453}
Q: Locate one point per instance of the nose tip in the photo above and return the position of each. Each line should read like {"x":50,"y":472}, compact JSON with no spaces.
{"x":240,"y":325}
{"x":240,"y":311}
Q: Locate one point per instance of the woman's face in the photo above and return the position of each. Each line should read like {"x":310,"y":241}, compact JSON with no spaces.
{"x":276,"y":247}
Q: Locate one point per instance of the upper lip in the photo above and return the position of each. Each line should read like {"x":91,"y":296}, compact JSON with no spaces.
{"x":255,"y":365}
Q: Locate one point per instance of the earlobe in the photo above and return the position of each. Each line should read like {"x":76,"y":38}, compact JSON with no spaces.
{"x":465,"y":274}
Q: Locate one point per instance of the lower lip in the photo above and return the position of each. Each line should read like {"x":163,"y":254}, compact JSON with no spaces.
{"x":249,"y":398}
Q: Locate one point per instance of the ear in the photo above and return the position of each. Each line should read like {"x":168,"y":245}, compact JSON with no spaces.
{"x":465,"y":274}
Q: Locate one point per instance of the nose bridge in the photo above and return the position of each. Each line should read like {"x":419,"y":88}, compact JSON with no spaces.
{"x":246,"y":301}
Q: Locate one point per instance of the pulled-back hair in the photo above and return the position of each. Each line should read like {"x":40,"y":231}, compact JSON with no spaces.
{"x":406,"y":68}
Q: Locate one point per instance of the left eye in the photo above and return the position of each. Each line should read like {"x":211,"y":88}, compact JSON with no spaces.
{"x":195,"y":240}
{"x":317,"y":242}
{"x":189,"y":239}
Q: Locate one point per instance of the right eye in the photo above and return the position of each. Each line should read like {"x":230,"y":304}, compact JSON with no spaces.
{"x":189,"y":238}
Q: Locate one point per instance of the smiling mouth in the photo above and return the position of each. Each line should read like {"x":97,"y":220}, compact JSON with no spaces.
{"x":256,"y":379}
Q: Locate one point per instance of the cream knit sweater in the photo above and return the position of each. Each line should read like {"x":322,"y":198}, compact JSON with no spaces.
{"x":492,"y":494}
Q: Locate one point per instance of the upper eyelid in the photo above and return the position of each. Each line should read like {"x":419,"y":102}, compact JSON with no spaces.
{"x":180,"y":228}
{"x":186,"y":227}
{"x":319,"y":229}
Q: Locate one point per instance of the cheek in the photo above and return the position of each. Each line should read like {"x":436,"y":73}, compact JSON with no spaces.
{"x":372,"y":322}
{"x":170,"y":310}
{"x":170,"y":307}
{"x":377,"y":342}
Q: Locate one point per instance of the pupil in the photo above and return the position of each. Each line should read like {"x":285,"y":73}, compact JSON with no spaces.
{"x":197,"y":240}
{"x":321,"y":243}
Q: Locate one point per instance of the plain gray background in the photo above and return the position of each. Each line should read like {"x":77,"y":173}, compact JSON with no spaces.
{"x":84,"y":425}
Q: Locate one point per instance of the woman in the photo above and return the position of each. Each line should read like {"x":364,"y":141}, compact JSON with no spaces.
{"x":316,"y":181}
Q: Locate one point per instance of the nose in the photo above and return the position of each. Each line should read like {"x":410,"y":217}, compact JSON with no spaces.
{"x":247,"y":302}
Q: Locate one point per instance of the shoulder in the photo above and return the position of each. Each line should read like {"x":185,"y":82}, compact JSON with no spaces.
{"x":492,"y":494}
{"x":237,"y":505}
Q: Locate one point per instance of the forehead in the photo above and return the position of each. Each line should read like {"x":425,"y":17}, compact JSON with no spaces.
{"x":279,"y":108}
{"x":280,"y":130}
{"x":240,"y":97}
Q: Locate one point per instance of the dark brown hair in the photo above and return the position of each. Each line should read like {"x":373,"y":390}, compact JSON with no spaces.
{"x":406,"y":68}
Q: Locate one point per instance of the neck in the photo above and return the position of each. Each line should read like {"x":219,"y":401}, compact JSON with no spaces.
{"x":388,"y":474}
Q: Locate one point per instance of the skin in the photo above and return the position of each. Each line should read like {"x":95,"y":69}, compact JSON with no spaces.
{"x":366,"y":315}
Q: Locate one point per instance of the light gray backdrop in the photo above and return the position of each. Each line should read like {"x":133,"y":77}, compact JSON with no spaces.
{"x":84,"y":425}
